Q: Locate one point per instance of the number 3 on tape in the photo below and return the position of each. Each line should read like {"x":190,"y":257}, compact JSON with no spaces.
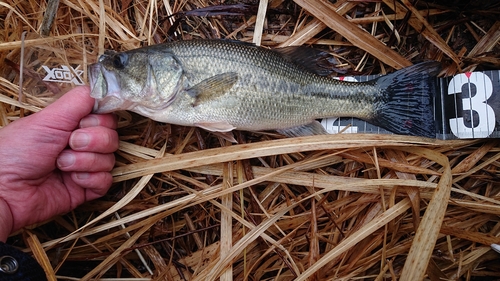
{"x":479,"y":117}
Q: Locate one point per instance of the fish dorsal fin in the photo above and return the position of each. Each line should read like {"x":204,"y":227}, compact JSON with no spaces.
{"x":212,"y":87}
{"x":311,"y":129}
{"x":313,"y":60}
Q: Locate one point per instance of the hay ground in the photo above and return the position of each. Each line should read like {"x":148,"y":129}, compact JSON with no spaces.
{"x":187,"y":205}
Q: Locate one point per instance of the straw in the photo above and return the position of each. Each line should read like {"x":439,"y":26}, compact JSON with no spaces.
{"x":186,"y":205}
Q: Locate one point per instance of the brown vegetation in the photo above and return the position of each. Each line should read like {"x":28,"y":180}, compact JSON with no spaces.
{"x":187,"y":205}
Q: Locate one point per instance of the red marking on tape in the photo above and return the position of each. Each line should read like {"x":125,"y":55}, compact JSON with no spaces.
{"x":408,"y":123}
{"x":341,"y":78}
{"x":468,"y":74}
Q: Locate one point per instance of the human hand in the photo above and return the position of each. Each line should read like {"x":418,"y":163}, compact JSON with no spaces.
{"x":54,"y":160}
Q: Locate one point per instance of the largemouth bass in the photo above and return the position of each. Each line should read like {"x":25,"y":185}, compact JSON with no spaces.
{"x":222,"y":85}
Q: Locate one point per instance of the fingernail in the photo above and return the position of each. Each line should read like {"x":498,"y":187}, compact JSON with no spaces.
{"x":89,"y":121}
{"x":82,"y":176}
{"x":79,"y":140}
{"x":65,"y":159}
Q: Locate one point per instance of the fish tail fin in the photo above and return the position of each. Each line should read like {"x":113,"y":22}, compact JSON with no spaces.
{"x":406,"y":106}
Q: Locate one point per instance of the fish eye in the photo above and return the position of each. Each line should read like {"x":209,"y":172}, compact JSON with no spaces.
{"x":120,"y":60}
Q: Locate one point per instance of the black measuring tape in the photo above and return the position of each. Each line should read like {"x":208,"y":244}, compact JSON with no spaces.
{"x":466,"y":106}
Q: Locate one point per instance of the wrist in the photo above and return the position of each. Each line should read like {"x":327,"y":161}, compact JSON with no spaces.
{"x":6,"y":220}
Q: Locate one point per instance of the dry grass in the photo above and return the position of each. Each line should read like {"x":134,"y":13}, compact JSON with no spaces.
{"x":188,"y":206}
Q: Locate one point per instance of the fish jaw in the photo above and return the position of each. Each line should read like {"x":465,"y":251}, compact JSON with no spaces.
{"x":104,"y":88}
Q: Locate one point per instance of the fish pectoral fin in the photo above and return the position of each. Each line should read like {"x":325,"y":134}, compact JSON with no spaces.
{"x":212,"y":87}
{"x":311,"y":129}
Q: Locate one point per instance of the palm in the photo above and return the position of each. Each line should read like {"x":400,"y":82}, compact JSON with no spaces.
{"x":31,"y":183}
{"x":30,"y":170}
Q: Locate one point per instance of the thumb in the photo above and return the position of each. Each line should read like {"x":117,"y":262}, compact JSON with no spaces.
{"x":66,"y":112}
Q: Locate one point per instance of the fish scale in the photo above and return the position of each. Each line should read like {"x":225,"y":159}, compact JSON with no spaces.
{"x":278,"y":79}
{"x":221,"y":85}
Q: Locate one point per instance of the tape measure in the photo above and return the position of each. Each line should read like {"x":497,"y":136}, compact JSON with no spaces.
{"x":466,"y":106}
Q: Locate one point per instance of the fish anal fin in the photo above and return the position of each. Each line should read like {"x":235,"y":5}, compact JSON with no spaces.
{"x":212,"y":87}
{"x":311,"y":129}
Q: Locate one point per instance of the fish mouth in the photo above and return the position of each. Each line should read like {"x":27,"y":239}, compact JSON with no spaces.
{"x":104,"y":88}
